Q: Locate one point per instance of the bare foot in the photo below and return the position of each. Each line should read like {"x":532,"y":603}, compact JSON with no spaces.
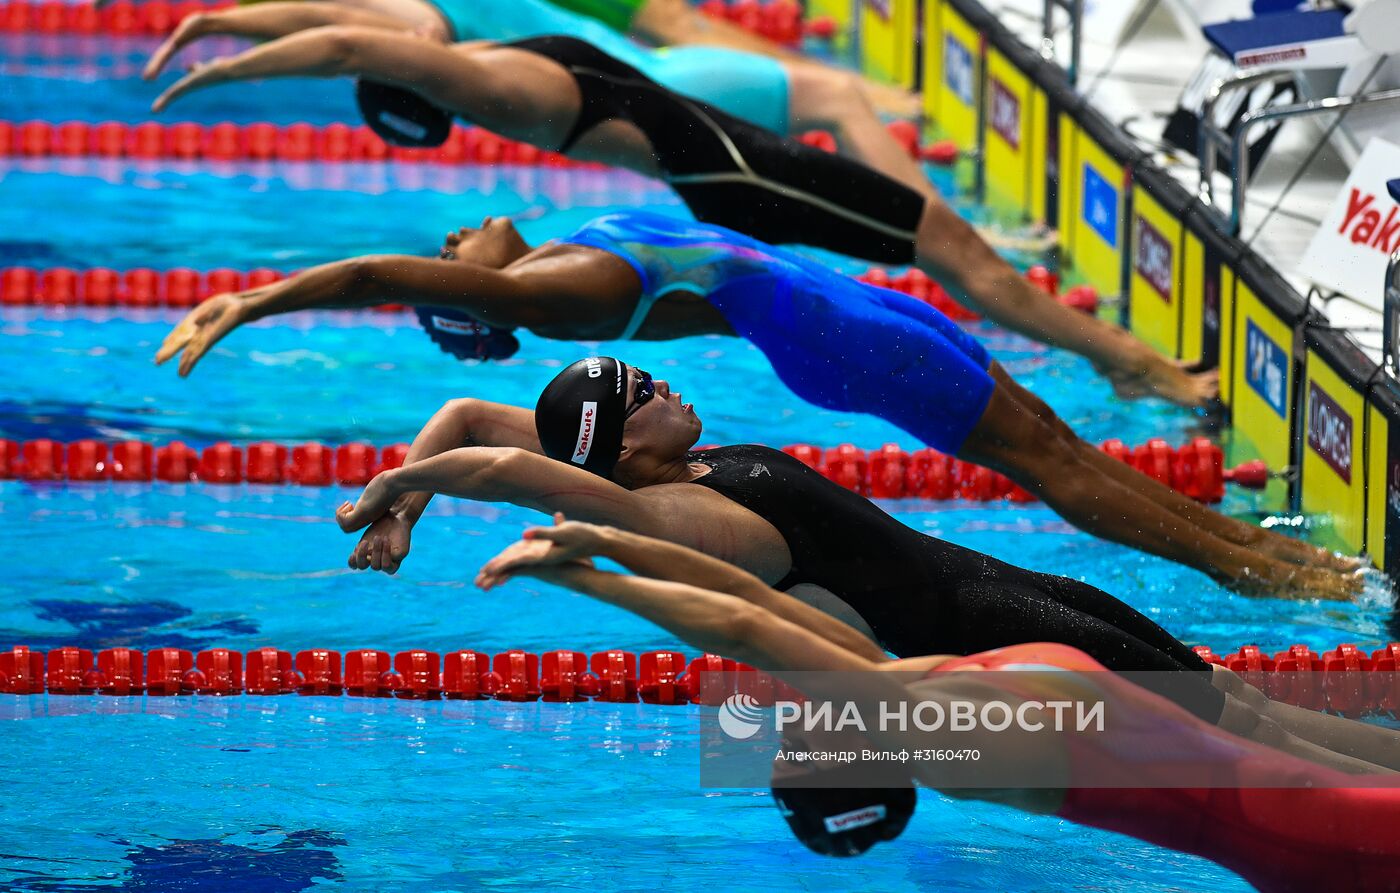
{"x":1279,"y":580}
{"x":1286,"y":548}
{"x":1170,"y":382}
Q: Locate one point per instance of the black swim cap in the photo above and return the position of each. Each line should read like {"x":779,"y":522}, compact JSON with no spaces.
{"x":463,"y":336}
{"x":835,"y":809}
{"x":579,"y":416}
{"x":401,"y":117}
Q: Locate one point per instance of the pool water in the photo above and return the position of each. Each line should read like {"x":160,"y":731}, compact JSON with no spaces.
{"x":287,"y":794}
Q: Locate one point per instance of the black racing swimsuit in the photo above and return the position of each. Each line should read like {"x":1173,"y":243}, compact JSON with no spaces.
{"x":922,"y":595}
{"x":737,"y":175}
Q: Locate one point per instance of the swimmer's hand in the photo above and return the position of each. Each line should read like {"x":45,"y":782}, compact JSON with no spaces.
{"x":373,"y":504}
{"x":384,"y":545}
{"x":200,"y":75}
{"x":190,"y":29}
{"x":543,"y":549}
{"x":201,"y":329}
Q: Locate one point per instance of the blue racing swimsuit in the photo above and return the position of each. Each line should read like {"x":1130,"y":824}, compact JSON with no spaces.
{"x":745,"y":85}
{"x":836,"y":342}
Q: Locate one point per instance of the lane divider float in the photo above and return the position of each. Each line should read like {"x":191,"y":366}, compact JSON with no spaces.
{"x":335,"y":142}
{"x":1344,"y":680}
{"x":1196,"y":469}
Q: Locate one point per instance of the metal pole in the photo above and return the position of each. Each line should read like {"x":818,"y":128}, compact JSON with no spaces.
{"x":1391,"y":318}
{"x":1334,"y":104}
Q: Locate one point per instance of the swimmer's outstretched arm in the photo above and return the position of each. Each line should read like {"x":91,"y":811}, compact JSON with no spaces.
{"x":650,"y":557}
{"x":558,"y":293}
{"x":264,"y":21}
{"x":718,"y":623}
{"x":447,"y":78}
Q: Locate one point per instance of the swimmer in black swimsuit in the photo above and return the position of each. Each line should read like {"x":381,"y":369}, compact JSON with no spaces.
{"x":1151,"y":769}
{"x":836,"y":342}
{"x":560,"y":93}
{"x":759,"y":509}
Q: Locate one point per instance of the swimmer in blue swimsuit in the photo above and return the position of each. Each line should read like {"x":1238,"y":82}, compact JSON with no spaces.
{"x":835,"y":342}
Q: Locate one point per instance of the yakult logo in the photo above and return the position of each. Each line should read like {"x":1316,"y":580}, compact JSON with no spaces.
{"x":1364,"y":225}
{"x":587,"y":418}
{"x":1329,"y":431}
{"x":1006,"y":114}
{"x":1154,"y":259}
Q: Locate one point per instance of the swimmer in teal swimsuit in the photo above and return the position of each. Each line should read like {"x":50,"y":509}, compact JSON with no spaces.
{"x":784,"y":96}
{"x":835,"y":342}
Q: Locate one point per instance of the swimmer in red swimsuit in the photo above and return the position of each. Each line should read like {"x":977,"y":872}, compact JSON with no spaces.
{"x":1283,"y":823}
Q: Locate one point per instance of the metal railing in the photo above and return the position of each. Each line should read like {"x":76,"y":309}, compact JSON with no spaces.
{"x":1390,"y":326}
{"x":1075,"y":8}
{"x":1213,"y":137}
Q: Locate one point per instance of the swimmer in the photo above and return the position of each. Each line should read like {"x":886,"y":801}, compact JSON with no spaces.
{"x":838,"y":343}
{"x":1244,"y":815}
{"x":610,"y":445}
{"x":603,"y":23}
{"x":560,"y":93}
{"x":781,"y":96}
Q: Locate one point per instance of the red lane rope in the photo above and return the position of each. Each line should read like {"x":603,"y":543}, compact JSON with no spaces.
{"x":183,"y":287}
{"x":778,"y":20}
{"x":141,"y":287}
{"x":337,"y":142}
{"x":1196,"y":469}
{"x":1344,"y":680}
{"x":228,"y":142}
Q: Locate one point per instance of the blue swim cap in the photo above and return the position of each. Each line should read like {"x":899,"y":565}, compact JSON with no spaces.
{"x":466,"y":338}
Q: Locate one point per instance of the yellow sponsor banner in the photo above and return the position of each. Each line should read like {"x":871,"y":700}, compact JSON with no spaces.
{"x":1379,"y":480}
{"x":1097,"y":218}
{"x":1154,"y":281}
{"x":952,"y":73}
{"x":1008,"y":115}
{"x":1261,"y":385}
{"x":1193,"y":296}
{"x":1333,"y":464}
{"x":1039,"y":152}
{"x":1067,"y":195}
{"x":887,"y":40}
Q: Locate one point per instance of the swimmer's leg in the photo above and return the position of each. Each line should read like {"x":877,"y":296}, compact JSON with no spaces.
{"x":678,"y":23}
{"x":1363,"y":741}
{"x":1040,"y":453}
{"x":1273,"y":544}
{"x":948,"y":247}
{"x":823,"y":98}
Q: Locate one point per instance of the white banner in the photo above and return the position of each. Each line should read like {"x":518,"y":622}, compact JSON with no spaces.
{"x":1350,"y":250}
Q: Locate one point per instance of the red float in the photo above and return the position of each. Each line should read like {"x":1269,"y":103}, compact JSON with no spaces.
{"x":176,"y":463}
{"x":69,"y":671}
{"x":266,"y":463}
{"x":21,"y":671}
{"x":320,"y":672}
{"x":269,"y":671}
{"x":132,"y":461}
{"x":311,"y":465}
{"x":41,"y":460}
{"x":166,"y":669}
{"x":466,"y":675}
{"x":659,"y":678}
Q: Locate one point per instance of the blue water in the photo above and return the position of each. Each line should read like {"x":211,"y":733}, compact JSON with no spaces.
{"x":291,"y":793}
{"x":66,"y":78}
